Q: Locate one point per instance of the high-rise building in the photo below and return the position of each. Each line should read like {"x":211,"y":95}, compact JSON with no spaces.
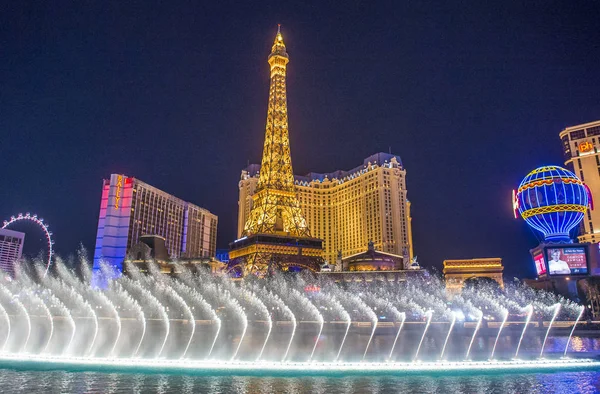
{"x":275,"y":232}
{"x":11,"y":249}
{"x":347,"y":209}
{"x":130,"y":208}
{"x":581,"y":146}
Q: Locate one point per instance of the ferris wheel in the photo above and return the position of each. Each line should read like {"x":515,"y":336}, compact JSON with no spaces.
{"x":42,"y":225}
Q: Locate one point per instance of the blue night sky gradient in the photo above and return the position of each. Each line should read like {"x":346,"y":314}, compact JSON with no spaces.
{"x":471,"y":95}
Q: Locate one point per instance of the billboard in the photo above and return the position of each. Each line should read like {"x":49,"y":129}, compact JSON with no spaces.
{"x":540,"y":263}
{"x":566,"y":260}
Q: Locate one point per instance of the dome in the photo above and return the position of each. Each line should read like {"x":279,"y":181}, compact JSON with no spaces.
{"x":553,"y":201}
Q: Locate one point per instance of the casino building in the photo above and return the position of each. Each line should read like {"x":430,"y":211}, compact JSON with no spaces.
{"x":581,"y":146}
{"x":347,"y":209}
{"x":131,"y":209}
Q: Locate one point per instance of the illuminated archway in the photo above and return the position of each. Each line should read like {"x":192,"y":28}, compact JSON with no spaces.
{"x":42,"y":225}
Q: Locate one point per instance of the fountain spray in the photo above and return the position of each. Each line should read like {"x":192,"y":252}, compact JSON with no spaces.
{"x":448,"y":336}
{"x":187,"y":287}
{"x":374,"y":322}
{"x":402,"y":320}
{"x":294,"y":324}
{"x":479,"y":319}
{"x":573,"y":330}
{"x":33,"y":296}
{"x":135,"y":287}
{"x":191,"y":319}
{"x":529,"y":309}
{"x":345,"y":316}
{"x":5,"y":315}
{"x":105,"y":299}
{"x":55,"y":301}
{"x":133,"y":304}
{"x":25,"y":313}
{"x":264,"y":309}
{"x":309,"y":305}
{"x":429,"y":315}
{"x":244,"y":323}
{"x":556,"y":311}
{"x":505,"y":314}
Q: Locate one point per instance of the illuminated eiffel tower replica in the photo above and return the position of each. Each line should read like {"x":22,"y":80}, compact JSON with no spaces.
{"x":275,"y":236}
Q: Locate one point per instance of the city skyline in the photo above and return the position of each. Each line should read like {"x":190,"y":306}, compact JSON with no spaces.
{"x":74,"y":137}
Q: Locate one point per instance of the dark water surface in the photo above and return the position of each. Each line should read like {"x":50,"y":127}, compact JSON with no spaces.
{"x":88,"y":382}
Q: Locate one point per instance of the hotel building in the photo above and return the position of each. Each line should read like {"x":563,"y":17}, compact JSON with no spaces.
{"x":347,"y":209}
{"x":130,"y":208}
{"x":11,"y":249}
{"x":581,"y":146}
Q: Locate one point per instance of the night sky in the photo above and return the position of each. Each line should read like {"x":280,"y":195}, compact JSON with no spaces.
{"x":471,"y":95}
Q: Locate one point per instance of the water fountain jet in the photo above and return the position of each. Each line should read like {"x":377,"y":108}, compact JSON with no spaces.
{"x":479,"y":319}
{"x":7,"y":318}
{"x":244,"y":327}
{"x":573,"y":330}
{"x":370,"y":338}
{"x":294,"y":324}
{"x":48,"y":315}
{"x":346,"y":317}
{"x":556,"y":311}
{"x":133,"y":299}
{"x":505,"y":314}
{"x":25,"y":313}
{"x":529,"y":309}
{"x":190,"y":316}
{"x":448,"y":335}
{"x":403,"y":319}
{"x":429,"y":315}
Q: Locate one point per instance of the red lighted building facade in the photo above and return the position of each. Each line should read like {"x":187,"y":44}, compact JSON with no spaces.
{"x":130,"y":208}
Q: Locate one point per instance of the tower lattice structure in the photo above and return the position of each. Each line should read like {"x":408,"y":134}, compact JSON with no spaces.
{"x":276,"y":234}
{"x":275,"y":206}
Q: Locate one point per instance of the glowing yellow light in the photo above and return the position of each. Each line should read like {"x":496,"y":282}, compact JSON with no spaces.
{"x":118,"y":192}
{"x":553,"y":208}
{"x":585,"y":147}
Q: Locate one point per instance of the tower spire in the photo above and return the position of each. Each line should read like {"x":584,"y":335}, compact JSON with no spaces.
{"x":276,"y":208}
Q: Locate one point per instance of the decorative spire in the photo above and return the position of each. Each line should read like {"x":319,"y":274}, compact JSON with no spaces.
{"x":278,"y":48}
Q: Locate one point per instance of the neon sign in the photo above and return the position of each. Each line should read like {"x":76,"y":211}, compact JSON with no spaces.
{"x":118,"y":192}
{"x":552,"y":200}
{"x":585,"y":147}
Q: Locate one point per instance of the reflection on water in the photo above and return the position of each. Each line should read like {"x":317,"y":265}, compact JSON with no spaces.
{"x":77,"y":382}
